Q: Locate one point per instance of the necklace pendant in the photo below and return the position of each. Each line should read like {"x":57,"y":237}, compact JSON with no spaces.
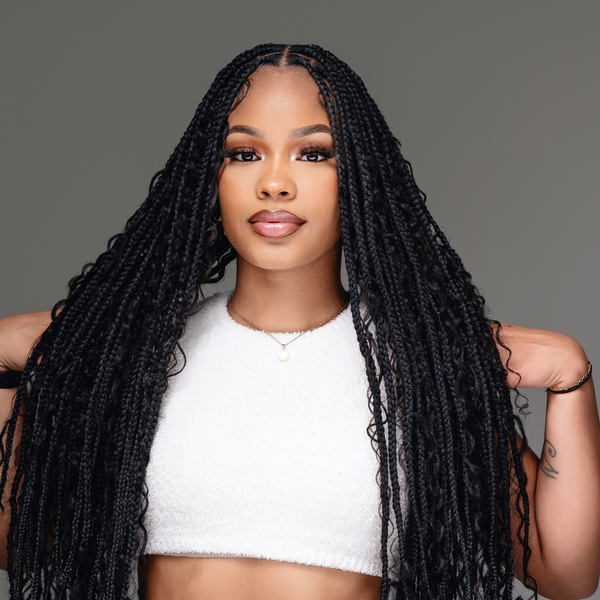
{"x":283,"y":354}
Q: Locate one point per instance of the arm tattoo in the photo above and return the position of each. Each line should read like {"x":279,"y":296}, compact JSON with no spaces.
{"x":548,"y":452}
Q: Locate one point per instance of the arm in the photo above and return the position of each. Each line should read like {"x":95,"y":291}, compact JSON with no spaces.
{"x":564,"y":484}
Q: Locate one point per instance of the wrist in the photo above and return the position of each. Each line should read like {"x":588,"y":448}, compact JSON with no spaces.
{"x":570,"y":365}
{"x":564,"y":389}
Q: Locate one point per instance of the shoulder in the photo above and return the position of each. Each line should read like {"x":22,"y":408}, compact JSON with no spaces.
{"x":208,"y":314}
{"x":210,"y":303}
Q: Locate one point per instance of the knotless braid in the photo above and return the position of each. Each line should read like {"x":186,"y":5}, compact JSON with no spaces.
{"x":442,"y":413}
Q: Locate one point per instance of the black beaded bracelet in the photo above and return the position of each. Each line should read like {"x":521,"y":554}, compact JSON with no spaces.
{"x":10,"y":379}
{"x":576,"y":385}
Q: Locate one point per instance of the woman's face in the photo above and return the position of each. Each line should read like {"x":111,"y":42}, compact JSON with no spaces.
{"x":278,"y":185}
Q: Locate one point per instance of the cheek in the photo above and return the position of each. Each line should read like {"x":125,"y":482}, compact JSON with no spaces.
{"x":229,"y":193}
{"x":323,"y":192}
{"x":227,"y":187}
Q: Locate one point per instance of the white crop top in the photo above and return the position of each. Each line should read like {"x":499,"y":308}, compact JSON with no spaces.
{"x":261,"y":458}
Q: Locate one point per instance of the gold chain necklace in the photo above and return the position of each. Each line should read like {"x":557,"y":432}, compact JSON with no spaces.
{"x":283,"y":354}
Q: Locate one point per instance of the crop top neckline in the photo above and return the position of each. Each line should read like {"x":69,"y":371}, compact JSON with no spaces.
{"x":228,"y":295}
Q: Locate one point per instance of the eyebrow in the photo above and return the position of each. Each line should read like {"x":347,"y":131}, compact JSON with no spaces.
{"x":303,"y":131}
{"x":295,"y":133}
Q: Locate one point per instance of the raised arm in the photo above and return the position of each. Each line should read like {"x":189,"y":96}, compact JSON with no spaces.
{"x":564,"y":483}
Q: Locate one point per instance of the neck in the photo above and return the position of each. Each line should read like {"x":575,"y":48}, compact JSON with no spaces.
{"x":288,"y":300}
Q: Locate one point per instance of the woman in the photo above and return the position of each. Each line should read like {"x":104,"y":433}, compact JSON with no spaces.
{"x":286,"y":163}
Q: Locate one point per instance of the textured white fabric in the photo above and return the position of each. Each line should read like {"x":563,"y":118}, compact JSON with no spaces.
{"x":262,"y":458}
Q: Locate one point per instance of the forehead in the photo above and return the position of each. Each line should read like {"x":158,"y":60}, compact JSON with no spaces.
{"x":280,"y":94}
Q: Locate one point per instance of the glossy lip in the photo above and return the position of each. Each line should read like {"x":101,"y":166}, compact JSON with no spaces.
{"x":275,"y":216}
{"x":275,"y":223}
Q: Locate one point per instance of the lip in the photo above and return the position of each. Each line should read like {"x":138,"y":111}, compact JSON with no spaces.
{"x":275,"y":216}
{"x":275,"y":223}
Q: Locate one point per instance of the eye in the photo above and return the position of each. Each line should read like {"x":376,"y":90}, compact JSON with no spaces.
{"x":241,"y":154}
{"x":316,"y":153}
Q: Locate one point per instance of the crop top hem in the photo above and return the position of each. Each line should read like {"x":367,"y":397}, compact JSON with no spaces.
{"x":305,"y":556}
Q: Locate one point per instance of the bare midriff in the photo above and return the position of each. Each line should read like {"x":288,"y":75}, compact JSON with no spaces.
{"x":238,"y":578}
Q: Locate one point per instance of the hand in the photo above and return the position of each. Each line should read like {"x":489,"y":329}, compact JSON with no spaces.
{"x":542,"y":358}
{"x":18,"y":336}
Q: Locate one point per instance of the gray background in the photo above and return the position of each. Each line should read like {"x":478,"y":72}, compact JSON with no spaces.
{"x":496,"y":105}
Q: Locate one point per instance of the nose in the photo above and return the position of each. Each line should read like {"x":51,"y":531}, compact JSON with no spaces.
{"x":276,"y":181}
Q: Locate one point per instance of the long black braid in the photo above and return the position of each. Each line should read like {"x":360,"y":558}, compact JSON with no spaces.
{"x":442,"y":409}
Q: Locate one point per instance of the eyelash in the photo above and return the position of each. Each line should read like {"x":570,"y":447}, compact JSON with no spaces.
{"x":306,"y":151}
